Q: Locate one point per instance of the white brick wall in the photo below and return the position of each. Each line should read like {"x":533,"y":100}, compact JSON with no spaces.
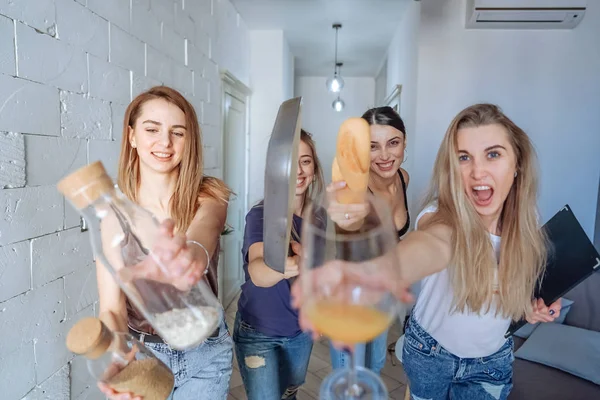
{"x":68,"y":69}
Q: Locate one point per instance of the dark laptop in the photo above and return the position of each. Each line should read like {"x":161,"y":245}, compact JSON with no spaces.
{"x":571,"y":259}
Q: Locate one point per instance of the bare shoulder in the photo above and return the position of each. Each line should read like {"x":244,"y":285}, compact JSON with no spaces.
{"x":207,"y":204}
{"x":405,"y":176}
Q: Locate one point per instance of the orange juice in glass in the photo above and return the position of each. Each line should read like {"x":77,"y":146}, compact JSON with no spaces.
{"x":348,"y":310}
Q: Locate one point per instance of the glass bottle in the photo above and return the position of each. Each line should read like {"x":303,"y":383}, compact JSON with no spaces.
{"x":119,"y":361}
{"x":122,"y":236}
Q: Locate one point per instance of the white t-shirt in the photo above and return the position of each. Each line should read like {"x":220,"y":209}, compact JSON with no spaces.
{"x":464,"y":334}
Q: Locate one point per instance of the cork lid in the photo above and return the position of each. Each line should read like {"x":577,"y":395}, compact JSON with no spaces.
{"x":89,"y":337}
{"x":86,"y":185}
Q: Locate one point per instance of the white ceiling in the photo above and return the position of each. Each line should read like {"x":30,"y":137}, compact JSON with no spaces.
{"x":367,"y":29}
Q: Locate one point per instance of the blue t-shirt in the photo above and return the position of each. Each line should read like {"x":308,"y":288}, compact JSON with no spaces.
{"x":268,"y":310}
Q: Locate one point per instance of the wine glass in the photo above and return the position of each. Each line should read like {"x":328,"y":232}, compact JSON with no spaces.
{"x":347,"y":310}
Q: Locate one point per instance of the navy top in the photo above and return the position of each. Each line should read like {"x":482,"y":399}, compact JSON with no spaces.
{"x":268,"y":310}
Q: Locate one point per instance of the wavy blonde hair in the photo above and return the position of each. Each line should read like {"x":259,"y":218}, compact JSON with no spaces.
{"x":192,"y":185}
{"x":523,"y":250}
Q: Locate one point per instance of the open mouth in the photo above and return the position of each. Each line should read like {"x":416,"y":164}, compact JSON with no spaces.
{"x":300,"y":182}
{"x":482,"y":195}
{"x":162,"y":156}
{"x":386,"y":166}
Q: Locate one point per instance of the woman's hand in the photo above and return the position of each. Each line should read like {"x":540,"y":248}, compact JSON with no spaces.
{"x":542,"y":313}
{"x":337,"y":276}
{"x":113,"y":395}
{"x":171,"y":260}
{"x":346,"y":216}
{"x":293,"y":262}
{"x":111,"y":371}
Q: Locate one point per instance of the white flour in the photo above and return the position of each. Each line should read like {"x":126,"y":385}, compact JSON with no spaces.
{"x":183,"y":328}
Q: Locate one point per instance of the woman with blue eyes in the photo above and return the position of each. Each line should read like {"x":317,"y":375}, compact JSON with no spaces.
{"x":478,"y":250}
{"x":388,"y":180}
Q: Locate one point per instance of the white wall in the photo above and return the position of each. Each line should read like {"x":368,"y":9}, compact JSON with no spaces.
{"x":63,"y":92}
{"x":288,"y":71}
{"x":402,"y":60}
{"x":271,"y":74}
{"x":323,"y":121}
{"x":548,"y":82}
{"x":381,"y":84}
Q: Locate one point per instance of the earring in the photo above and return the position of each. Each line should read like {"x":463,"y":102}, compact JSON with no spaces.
{"x":133,"y":145}
{"x":515,"y":174}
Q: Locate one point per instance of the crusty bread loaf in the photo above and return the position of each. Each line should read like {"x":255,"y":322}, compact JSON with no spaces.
{"x":353,"y":159}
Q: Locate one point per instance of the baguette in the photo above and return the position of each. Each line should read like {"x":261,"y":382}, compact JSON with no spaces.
{"x":352,"y":161}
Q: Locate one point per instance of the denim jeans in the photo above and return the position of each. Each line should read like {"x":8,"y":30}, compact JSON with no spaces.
{"x":370,"y":355}
{"x":436,"y":374}
{"x":202,"y":372}
{"x":272,"y":368}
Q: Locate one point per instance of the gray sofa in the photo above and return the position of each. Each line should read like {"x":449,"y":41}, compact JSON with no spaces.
{"x":533,"y":380}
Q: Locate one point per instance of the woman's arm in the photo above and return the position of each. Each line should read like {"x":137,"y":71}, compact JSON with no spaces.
{"x":424,"y":252}
{"x":264,"y":276}
{"x":206,"y":228}
{"x":113,"y":311}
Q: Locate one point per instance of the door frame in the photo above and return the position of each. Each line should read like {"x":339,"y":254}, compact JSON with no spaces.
{"x":234,"y":87}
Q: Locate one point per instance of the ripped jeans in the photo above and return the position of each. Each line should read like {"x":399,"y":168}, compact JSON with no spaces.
{"x":436,"y":374}
{"x":272,"y":368}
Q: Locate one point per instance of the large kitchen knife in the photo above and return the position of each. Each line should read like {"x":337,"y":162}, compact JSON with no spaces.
{"x":281,"y":170}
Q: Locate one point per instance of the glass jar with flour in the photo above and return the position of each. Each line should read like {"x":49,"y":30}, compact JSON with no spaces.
{"x":123,"y":236}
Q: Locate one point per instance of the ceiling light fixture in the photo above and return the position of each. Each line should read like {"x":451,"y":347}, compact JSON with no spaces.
{"x":335,"y":84}
{"x":338,"y":104}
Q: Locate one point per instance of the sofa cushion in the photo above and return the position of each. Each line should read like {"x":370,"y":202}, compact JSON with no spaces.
{"x":533,"y":381}
{"x":585,"y":311}
{"x":573,"y":350}
{"x":526,"y":330}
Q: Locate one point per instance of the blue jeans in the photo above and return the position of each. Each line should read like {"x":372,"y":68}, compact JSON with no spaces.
{"x":272,"y":368}
{"x":436,"y":374}
{"x":202,"y":372}
{"x":371,"y":355}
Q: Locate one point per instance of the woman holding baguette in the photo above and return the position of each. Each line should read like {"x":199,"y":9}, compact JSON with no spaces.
{"x":479,"y":251}
{"x":388,"y":180}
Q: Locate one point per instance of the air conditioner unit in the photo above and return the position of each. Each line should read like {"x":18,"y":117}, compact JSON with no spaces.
{"x":524,"y":14}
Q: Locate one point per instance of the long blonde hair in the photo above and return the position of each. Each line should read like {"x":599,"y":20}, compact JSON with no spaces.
{"x":192,"y":185}
{"x":524,"y":244}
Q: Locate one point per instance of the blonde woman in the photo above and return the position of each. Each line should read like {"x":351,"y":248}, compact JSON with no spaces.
{"x":160,"y":168}
{"x":479,"y":251}
{"x":271,"y":349}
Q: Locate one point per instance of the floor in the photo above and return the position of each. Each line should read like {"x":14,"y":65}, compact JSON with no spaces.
{"x":320,"y":367}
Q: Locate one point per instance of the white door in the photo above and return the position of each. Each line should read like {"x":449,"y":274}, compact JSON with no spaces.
{"x":234,"y":152}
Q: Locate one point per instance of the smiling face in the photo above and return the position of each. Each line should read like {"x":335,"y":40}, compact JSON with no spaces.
{"x":387,"y":150}
{"x":306,"y":169}
{"x":159,"y":136}
{"x":487,"y":165}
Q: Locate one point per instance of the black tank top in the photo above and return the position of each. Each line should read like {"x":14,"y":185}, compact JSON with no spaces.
{"x":404,"y":229}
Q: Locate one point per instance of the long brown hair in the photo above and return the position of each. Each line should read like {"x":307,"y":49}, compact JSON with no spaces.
{"x":192,"y":185}
{"x":524,"y":244}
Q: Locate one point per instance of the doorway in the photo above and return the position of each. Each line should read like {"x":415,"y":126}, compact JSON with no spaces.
{"x":235,"y":99}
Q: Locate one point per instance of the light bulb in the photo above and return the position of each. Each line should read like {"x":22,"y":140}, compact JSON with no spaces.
{"x":335,"y":84}
{"x":338,"y":104}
